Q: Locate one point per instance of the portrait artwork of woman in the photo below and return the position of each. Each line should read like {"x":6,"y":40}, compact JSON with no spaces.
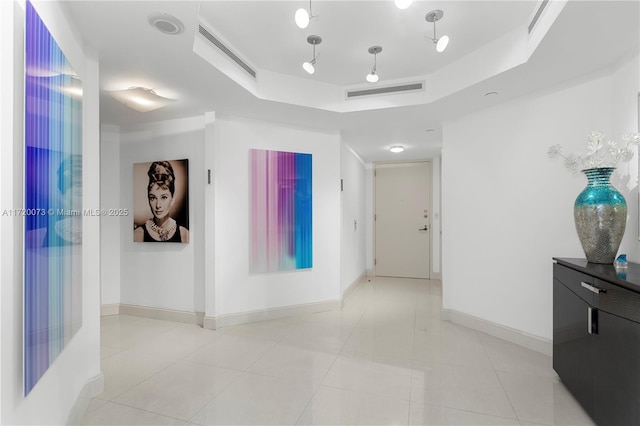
{"x":161,"y":190}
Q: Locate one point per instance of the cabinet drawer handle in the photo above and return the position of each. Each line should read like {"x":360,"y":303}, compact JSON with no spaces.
{"x":592,"y":288}
{"x":592,"y":320}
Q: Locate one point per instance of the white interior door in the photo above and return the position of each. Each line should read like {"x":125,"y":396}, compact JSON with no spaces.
{"x":402,"y":220}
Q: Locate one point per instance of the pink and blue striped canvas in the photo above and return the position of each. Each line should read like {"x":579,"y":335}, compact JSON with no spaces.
{"x":52,"y":201}
{"x":281,"y":211}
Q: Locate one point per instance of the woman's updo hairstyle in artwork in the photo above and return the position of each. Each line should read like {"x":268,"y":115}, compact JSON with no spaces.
{"x":161,"y":173}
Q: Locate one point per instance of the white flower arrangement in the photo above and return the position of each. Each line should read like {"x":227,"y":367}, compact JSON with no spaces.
{"x":596,"y":156}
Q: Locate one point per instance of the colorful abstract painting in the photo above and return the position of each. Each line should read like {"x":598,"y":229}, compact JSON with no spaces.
{"x":281,"y":225}
{"x":52,"y":201}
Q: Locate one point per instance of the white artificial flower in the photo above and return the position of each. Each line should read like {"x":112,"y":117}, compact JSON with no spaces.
{"x":554,"y":151}
{"x":626,"y":155}
{"x":594,"y":142}
{"x":595,"y":155}
{"x":632,"y":138}
{"x":572,"y":162}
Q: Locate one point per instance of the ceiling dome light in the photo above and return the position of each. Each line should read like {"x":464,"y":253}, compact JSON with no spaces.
{"x":403,"y":4}
{"x":302,"y":18}
{"x":373,"y":77}
{"x":442,"y":43}
{"x":310,"y":65}
{"x":396,"y":149}
{"x":141,"y":99}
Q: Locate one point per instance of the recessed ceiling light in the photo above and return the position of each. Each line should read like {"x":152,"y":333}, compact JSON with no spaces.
{"x":165,"y":23}
{"x":491,"y":93}
{"x":397,"y":148}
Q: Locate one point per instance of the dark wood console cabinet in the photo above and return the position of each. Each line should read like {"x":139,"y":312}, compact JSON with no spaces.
{"x":596,"y":337}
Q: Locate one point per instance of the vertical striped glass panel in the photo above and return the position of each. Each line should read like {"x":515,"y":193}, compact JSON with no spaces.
{"x":52,"y":201}
{"x":281,"y":219}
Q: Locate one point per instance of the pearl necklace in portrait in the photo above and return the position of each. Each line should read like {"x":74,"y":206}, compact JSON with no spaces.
{"x":164,"y":232}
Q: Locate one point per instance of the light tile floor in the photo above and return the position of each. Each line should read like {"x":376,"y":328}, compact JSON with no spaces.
{"x":385,"y":358}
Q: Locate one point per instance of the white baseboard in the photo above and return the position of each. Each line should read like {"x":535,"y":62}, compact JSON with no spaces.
{"x":353,"y":286}
{"x":214,"y":323}
{"x":113,"y":309}
{"x":209,"y":323}
{"x":93,"y":387}
{"x":500,"y":331}
{"x":163,"y":314}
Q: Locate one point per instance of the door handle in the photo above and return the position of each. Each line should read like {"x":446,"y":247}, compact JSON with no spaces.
{"x":423,"y":229}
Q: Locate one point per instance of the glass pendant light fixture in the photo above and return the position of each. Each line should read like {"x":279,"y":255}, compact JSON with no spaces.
{"x":442,"y":42}
{"x":403,"y":4}
{"x":373,"y":77}
{"x":310,"y":66}
{"x":302,"y":17}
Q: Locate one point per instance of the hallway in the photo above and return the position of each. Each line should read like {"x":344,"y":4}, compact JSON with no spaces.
{"x":385,"y":358}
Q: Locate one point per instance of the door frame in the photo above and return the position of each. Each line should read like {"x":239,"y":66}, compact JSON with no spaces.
{"x":430,"y":207}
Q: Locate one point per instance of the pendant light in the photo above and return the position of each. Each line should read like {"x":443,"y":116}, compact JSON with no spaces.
{"x":310,"y":66}
{"x":302,"y":17}
{"x":442,"y":42}
{"x":373,"y":77}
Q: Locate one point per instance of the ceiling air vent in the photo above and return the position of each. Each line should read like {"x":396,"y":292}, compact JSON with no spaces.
{"x":217,"y":43}
{"x":411,"y":87}
{"x":534,"y":21}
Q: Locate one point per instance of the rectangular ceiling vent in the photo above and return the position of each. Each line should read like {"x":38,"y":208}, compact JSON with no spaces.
{"x":217,"y":43}
{"x":411,"y":87}
{"x":534,"y":21}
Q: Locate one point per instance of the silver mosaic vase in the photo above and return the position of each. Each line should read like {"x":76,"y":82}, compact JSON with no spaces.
{"x":600,"y":213}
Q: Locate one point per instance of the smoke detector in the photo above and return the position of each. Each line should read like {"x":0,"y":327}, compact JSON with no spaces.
{"x":166,"y":23}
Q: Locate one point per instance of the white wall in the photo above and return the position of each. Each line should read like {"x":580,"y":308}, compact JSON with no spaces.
{"x":215,"y":273}
{"x":237,"y":291}
{"x":167,"y":276}
{"x":110,"y":225}
{"x":625,"y":113}
{"x":369,"y":208}
{"x":508,"y":208}
{"x":52,"y":399}
{"x":435,"y":217}
{"x":209,"y":253}
{"x":353,"y":210}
